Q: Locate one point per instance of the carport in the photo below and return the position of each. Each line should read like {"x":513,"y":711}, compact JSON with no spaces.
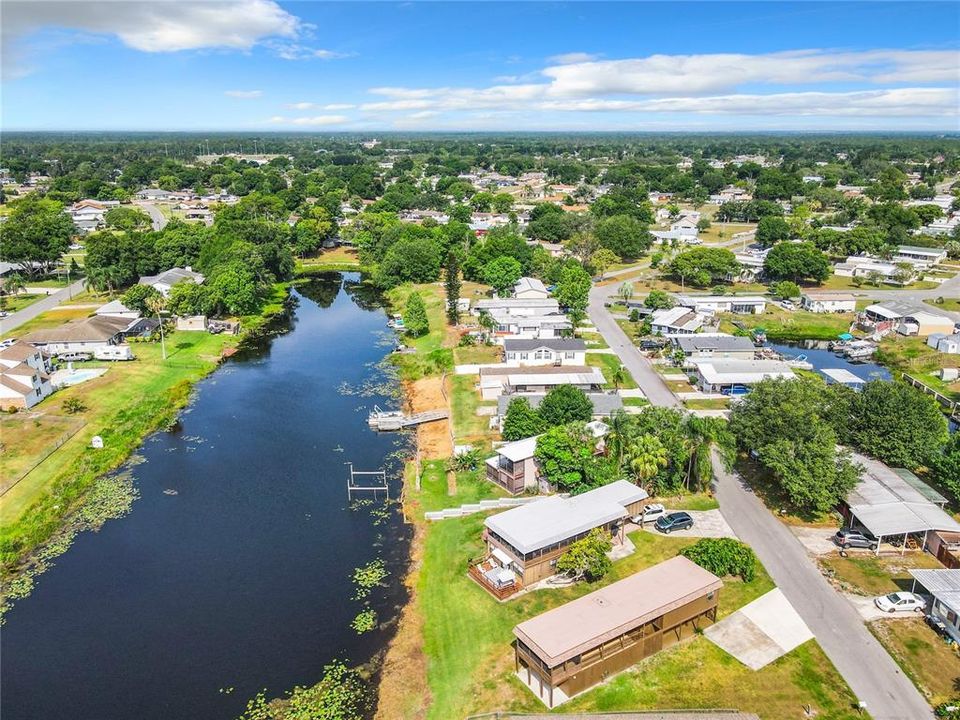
{"x":889,"y":505}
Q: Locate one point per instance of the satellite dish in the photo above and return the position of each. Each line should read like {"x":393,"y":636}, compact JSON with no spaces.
{"x":97,"y":442}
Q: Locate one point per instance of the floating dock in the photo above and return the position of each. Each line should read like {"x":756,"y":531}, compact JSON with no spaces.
{"x":386,"y":420}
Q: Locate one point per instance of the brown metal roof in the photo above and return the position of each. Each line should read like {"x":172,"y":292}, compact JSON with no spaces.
{"x":585,"y":623}
{"x":91,"y":329}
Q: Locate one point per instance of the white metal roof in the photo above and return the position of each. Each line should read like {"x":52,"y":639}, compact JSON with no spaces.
{"x":519,"y":450}
{"x":743,"y":372}
{"x":842,"y":375}
{"x":886,"y":504}
{"x":942,"y":584}
{"x":590,"y":378}
{"x":554,"y":519}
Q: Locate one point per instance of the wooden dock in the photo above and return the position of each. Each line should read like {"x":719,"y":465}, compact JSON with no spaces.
{"x":386,"y":420}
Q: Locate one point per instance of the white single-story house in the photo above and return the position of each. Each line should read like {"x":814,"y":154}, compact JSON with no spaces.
{"x":544,"y":351}
{"x":501,"y":380}
{"x":676,"y":321}
{"x":944,"y":586}
{"x":517,"y":306}
{"x":920,"y":256}
{"x":924,"y":324}
{"x":23,"y":376}
{"x":751,"y":265}
{"x":167,"y":279}
{"x":605,"y":404}
{"x":530,"y":326}
{"x":743,"y":304}
{"x":948,"y":344}
{"x":864,"y":266}
{"x":718,"y":375}
{"x":530,"y":288}
{"x":82,"y":336}
{"x":828,"y":302}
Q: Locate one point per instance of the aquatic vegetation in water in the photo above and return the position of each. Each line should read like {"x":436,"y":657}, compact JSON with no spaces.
{"x":342,"y":694}
{"x":109,"y":498}
{"x":365,"y":621}
{"x":367,"y":577}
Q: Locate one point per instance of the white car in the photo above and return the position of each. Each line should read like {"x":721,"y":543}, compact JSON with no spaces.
{"x":650,"y":513}
{"x":787,"y":305}
{"x":901,"y":602}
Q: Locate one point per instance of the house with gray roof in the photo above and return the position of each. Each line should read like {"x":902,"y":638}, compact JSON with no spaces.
{"x":715,"y":345}
{"x":167,"y":279}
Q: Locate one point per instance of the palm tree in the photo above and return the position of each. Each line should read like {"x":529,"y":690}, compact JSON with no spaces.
{"x":618,"y":377}
{"x":647,"y":456}
{"x":625,"y":291}
{"x":12,"y":285}
{"x":157,"y":304}
{"x":620,"y":427}
{"x":703,"y":433}
{"x":487,"y":323}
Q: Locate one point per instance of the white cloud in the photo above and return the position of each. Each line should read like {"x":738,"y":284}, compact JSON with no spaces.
{"x":573,"y":57}
{"x":296,"y":51}
{"x":339,"y":106}
{"x":317,"y":120}
{"x":243,"y":94}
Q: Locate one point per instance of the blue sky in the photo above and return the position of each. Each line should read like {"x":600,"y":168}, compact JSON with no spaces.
{"x":260,"y":65}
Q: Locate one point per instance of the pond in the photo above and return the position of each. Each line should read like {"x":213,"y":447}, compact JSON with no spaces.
{"x":232,"y":573}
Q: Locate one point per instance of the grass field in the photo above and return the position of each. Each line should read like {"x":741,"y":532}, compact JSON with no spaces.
{"x":467,"y":635}
{"x":872,"y":575}
{"x":781,"y":324}
{"x":468,"y":427}
{"x":13,"y":303}
{"x":707,"y":404}
{"x":608,"y":364}
{"x":477,"y":354}
{"x":50,"y":319}
{"x":932,"y":664}
{"x":949,"y":304}
{"x":25,"y":438}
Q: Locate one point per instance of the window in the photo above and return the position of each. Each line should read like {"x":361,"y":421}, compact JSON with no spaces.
{"x":569,"y":355}
{"x":523,"y":356}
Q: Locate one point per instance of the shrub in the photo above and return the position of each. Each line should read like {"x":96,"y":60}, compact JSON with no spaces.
{"x":723,"y":556}
{"x":587,"y":557}
{"x":73,"y":405}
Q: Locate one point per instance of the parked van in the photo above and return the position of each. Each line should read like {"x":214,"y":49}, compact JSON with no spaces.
{"x":113,"y":352}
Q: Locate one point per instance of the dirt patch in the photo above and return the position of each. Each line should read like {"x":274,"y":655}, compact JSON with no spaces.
{"x":403,"y":693}
{"x":433,"y":439}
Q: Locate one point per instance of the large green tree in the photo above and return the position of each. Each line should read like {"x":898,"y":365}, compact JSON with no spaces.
{"x":35,"y":234}
{"x":521,"y":420}
{"x":502,"y":274}
{"x":796,"y":262}
{"x":415,"y":316}
{"x":573,"y":292}
{"x":564,"y":404}
{"x":568,"y":460}
{"x":624,"y":235}
{"x":704,"y":266}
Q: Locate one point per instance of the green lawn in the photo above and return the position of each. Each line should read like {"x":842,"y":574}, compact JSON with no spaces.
{"x":781,"y":324}
{"x":468,"y":427}
{"x":838,"y":282}
{"x":927,"y":660}
{"x":12,"y":303}
{"x":432,"y":356}
{"x":871,"y":575}
{"x":688,"y":501}
{"x":50,"y":319}
{"x":467,"y":637}
{"x":477,"y":354}
{"x":707,"y":404}
{"x":608,"y":364}
{"x":949,"y":304}
{"x":635,"y":402}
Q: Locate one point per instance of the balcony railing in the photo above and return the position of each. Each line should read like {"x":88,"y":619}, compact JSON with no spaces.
{"x":500,"y":593}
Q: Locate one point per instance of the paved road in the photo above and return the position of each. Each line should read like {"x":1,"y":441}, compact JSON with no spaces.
{"x":31,"y":311}
{"x":158,"y":218}
{"x":867,"y":668}
{"x":862,"y":661}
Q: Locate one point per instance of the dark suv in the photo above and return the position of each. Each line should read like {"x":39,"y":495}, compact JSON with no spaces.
{"x":847,"y":538}
{"x":674,"y":521}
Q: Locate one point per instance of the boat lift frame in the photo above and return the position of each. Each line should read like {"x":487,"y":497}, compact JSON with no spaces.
{"x":352,"y":483}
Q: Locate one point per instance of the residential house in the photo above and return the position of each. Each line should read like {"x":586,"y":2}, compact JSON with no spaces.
{"x":517,"y":306}
{"x":751,"y":265}
{"x":513,"y":467}
{"x":116,"y":308}
{"x":530,"y":326}
{"x":23,"y":376}
{"x":923,"y":324}
{"x":709,"y":346}
{"x":686,"y":226}
{"x":922,"y":257}
{"x":530,"y":288}
{"x":80,"y":336}
{"x":944,"y":586}
{"x":947,"y":344}
{"x":864,"y":266}
{"x":942,"y":226}
{"x":676,"y":321}
{"x":721,"y":375}
{"x":742,"y":304}
{"x":528,"y":539}
{"x":544,"y":351}
{"x":828,"y":302}
{"x":167,"y":279}
{"x":570,"y":649}
{"x":506,"y":380}
{"x":730,"y":194}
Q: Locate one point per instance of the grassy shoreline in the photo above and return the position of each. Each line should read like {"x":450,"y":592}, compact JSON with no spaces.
{"x":126,"y":405}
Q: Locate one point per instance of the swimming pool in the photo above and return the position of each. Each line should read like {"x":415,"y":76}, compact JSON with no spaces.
{"x":65,"y":378}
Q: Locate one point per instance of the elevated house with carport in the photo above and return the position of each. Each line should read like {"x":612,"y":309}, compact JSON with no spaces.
{"x":944,"y":586}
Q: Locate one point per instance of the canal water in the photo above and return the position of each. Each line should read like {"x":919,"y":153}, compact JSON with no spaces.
{"x":241,"y":581}
{"x":820,"y":357}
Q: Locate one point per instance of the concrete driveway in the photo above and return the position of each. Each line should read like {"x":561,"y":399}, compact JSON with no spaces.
{"x":761,"y":631}
{"x":706,"y":524}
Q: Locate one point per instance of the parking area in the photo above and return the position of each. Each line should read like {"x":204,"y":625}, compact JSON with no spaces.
{"x":761,"y":631}
{"x":706,"y":524}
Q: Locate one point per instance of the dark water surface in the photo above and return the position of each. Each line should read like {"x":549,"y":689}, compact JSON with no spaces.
{"x":821,"y":358}
{"x":242,"y":579}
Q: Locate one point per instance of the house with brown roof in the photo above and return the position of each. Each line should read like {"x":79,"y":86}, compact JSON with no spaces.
{"x":81,"y":336}
{"x":569,"y":649}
